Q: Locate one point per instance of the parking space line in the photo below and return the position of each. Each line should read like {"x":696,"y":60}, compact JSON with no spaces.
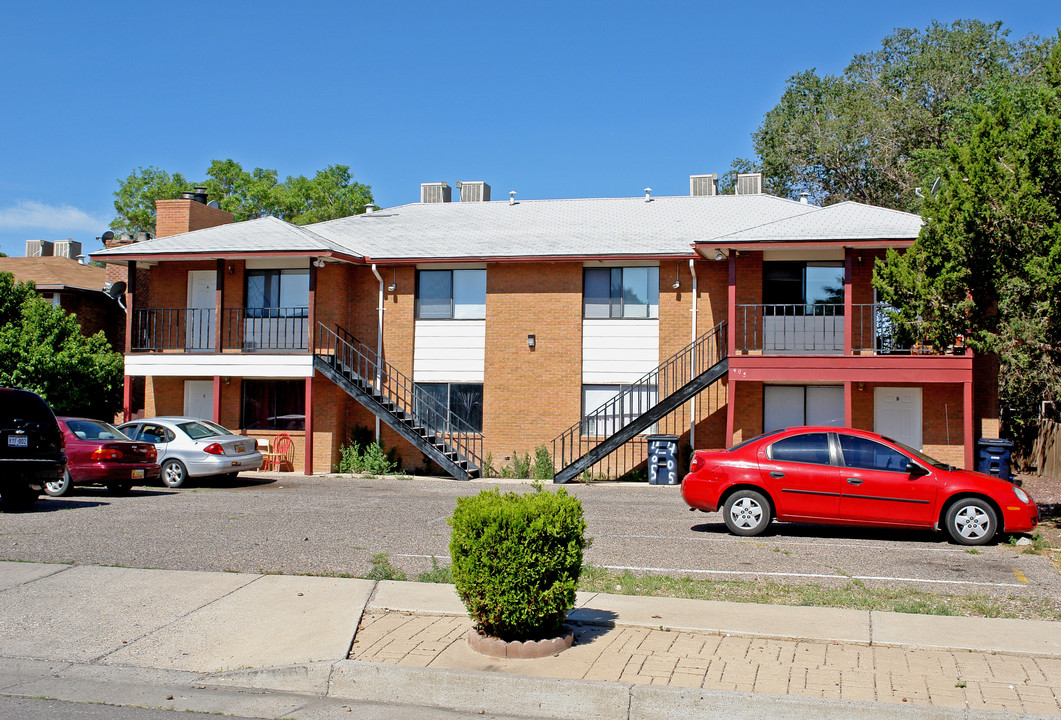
{"x":812,"y":575}
{"x":1020,"y":576}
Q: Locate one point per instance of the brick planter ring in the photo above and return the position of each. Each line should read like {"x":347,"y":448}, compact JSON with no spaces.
{"x":518,"y":650}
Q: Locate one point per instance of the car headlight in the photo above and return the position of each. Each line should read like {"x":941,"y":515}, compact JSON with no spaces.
{"x":1021,"y":495}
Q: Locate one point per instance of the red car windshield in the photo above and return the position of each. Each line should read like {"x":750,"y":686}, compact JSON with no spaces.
{"x":94,"y":430}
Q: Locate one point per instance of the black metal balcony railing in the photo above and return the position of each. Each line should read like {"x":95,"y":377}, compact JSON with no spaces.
{"x":188,"y":329}
{"x":253,"y":329}
{"x":247,"y":329}
{"x":820,"y":329}
{"x":791,"y":329}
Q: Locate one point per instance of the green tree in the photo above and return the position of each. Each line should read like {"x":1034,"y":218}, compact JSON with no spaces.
{"x":331,"y":193}
{"x":987,"y":264}
{"x":879,"y":131}
{"x":42,"y":349}
{"x":134,"y":200}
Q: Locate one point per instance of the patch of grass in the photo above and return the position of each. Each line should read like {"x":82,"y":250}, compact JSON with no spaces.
{"x":852,"y":594}
{"x":974,"y":551}
{"x":382,"y":569}
{"x":437,"y":573}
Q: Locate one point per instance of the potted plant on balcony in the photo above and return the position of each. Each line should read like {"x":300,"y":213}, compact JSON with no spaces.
{"x":516,"y":562}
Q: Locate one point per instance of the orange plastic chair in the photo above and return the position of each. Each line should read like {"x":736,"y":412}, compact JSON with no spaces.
{"x":281,"y":453}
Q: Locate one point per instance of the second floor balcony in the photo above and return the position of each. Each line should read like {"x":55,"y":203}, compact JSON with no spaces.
{"x":825,"y":329}
{"x":283,"y":329}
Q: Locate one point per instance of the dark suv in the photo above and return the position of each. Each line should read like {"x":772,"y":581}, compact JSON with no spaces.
{"x":32,"y":448}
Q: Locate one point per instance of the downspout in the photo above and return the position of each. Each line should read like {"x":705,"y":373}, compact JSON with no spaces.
{"x":379,"y":344}
{"x":692,"y":401}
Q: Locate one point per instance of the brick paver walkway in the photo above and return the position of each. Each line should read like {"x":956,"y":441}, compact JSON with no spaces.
{"x":956,"y":679}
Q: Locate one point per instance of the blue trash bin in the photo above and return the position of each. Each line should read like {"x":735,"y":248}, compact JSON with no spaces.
{"x":662,"y":459}
{"x":994,"y":457}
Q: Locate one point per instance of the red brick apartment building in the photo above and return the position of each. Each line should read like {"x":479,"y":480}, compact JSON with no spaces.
{"x":459,"y":330}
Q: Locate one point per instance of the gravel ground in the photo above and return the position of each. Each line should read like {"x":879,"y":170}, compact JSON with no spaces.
{"x":333,"y":525}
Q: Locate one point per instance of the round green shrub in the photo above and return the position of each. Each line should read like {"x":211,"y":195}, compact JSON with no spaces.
{"x":516,"y":560}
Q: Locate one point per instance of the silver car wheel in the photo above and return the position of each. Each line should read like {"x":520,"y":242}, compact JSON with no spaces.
{"x":972,"y":523}
{"x":746,"y":513}
{"x":57,"y":488}
{"x":173,"y":473}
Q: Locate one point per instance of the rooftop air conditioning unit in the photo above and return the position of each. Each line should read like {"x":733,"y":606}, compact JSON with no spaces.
{"x":38,"y":248}
{"x":438,"y":192}
{"x":68,"y":248}
{"x":700,"y":185}
{"x":477,"y":191}
{"x":749,"y":183}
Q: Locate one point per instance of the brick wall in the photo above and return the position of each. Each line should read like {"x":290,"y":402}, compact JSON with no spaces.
{"x":531,"y":395}
{"x":173,"y":217}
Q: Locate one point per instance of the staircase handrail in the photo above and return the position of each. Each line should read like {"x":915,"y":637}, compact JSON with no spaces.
{"x":395,"y":386}
{"x":699,"y":355}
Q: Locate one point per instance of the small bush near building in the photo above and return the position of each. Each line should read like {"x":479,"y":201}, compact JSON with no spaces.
{"x":372,"y":460}
{"x":543,"y":464}
{"x":516,"y":560}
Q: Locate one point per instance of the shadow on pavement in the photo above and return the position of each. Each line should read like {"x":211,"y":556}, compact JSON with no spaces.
{"x":50,"y":504}
{"x":831,"y":532}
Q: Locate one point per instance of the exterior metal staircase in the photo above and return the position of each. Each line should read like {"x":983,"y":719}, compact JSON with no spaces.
{"x":637,"y":407}
{"x":393,"y":397}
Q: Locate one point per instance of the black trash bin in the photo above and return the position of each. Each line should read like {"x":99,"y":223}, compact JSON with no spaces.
{"x":662,"y":459}
{"x":993,"y":457}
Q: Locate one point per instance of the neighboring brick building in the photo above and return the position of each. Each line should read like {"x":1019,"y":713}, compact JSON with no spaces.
{"x":74,"y":287}
{"x":480,"y":328}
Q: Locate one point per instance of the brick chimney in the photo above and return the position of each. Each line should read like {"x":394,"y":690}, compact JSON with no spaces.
{"x":187,"y":213}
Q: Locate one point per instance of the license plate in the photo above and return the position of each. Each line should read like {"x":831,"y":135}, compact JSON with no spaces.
{"x":138,"y":474}
{"x":18,"y":441}
{"x":241,"y":448}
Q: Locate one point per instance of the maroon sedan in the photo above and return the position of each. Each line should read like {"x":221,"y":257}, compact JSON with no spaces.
{"x":98,"y":453}
{"x":842,"y":476}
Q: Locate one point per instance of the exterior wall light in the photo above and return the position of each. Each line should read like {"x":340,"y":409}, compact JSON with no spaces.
{"x":531,"y":341}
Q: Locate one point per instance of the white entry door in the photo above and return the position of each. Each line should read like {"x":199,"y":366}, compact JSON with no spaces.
{"x":202,"y":299}
{"x":199,"y":399}
{"x":897,"y":414}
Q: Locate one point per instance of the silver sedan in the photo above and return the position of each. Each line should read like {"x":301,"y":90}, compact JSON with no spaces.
{"x":190,"y":447}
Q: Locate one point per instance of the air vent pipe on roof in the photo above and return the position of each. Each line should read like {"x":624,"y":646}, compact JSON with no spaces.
{"x":197,"y":195}
{"x":648,"y":194}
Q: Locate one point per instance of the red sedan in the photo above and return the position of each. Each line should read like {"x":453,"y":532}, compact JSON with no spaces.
{"x":841,"y":476}
{"x":98,"y":453}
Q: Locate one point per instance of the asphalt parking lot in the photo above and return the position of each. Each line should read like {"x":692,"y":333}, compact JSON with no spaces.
{"x":331,"y":525}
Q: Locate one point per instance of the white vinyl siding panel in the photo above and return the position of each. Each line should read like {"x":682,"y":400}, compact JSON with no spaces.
{"x":450,"y":351}
{"x":618,"y":351}
{"x":219,"y":364}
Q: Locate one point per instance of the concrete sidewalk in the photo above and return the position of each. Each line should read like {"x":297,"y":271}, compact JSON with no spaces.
{"x":280,"y":646}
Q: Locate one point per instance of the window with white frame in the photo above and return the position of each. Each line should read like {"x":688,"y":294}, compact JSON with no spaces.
{"x":451,"y":294}
{"x":620,"y":292}
{"x":608,"y":408}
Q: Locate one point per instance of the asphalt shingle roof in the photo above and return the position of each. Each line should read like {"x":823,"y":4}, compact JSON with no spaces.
{"x":545,"y":228}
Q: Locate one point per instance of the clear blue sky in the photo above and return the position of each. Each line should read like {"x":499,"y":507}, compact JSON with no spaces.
{"x":551,"y":99}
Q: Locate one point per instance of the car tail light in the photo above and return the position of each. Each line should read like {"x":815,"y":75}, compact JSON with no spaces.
{"x":105,"y":454}
{"x":697,"y":463}
{"x":214,"y":449}
{"x":151,"y":453}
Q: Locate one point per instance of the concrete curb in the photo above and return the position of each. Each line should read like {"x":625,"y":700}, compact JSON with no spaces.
{"x":475,"y":692}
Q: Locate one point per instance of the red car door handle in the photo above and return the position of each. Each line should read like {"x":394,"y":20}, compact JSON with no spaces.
{"x":777,"y":474}
{"x":854,"y":481}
